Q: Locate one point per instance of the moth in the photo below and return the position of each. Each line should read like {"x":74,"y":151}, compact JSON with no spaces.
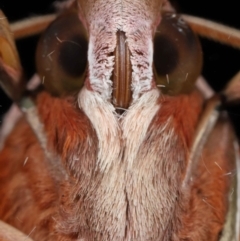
{"x":119,"y":139}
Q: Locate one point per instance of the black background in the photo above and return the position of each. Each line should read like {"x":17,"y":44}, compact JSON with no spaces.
{"x":220,"y":62}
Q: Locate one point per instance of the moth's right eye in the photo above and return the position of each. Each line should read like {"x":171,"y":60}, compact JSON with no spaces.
{"x":62,"y":55}
{"x":177,"y":56}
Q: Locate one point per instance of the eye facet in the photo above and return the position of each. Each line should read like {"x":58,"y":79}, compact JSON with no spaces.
{"x":177,"y":56}
{"x":62,"y":55}
{"x":76,"y":51}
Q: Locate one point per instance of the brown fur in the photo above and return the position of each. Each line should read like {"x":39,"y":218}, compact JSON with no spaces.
{"x":46,"y":198}
{"x":30,"y":185}
{"x":110,"y":177}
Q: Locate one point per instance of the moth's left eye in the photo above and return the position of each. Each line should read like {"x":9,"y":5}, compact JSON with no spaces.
{"x":177,"y":56}
{"x":62,"y":55}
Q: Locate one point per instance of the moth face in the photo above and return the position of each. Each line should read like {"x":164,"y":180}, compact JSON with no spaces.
{"x":122,"y":177}
{"x":120,"y":50}
{"x":131,"y":43}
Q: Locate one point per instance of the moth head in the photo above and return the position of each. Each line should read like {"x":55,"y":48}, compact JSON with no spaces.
{"x":120,"y":50}
{"x":137,"y":21}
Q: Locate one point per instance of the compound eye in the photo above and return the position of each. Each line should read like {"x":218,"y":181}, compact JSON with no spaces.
{"x":177,"y":55}
{"x":62,"y":55}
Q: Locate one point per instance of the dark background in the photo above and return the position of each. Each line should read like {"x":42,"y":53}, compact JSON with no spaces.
{"x":220,"y":62}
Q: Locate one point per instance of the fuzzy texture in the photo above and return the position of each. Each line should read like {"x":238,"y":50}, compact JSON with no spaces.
{"x":112,"y":177}
{"x":85,"y":194}
{"x":138,"y":19}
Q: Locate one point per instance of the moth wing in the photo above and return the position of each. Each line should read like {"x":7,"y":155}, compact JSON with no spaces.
{"x":11,"y":73}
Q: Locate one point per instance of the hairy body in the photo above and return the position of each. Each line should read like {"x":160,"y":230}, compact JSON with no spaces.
{"x":137,"y":196}
{"x":103,"y":176}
